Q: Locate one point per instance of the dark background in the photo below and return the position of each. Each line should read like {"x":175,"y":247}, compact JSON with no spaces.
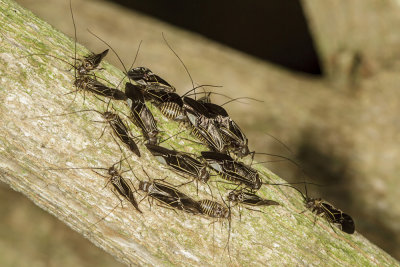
{"x":275,"y":31}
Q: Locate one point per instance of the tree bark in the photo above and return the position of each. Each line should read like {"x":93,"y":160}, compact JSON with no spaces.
{"x":33,"y":86}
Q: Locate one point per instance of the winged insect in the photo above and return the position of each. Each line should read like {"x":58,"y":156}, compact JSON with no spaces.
{"x":115,"y":178}
{"x":232,"y":135}
{"x":248,"y":198}
{"x":170,"y":104}
{"x":232,"y":170}
{"x":140,"y":114}
{"x":86,"y":65}
{"x":180,"y":162}
{"x":121,"y":131}
{"x":119,"y":128}
{"x":148,"y":80}
{"x":326,"y":210}
{"x":203,"y":126}
{"x":90,"y":62}
{"x":91,"y":85}
{"x":170,"y":197}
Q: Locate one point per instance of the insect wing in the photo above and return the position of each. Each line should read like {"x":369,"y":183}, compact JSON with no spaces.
{"x":196,"y":107}
{"x":123,"y":188}
{"x":122,"y":132}
{"x":155,"y":82}
{"x":146,"y":77}
{"x":254,"y":200}
{"x":175,"y":198}
{"x":134,"y":94}
{"x":347,"y":224}
{"x":215,"y":110}
{"x":336,"y":216}
{"x":95,"y":59}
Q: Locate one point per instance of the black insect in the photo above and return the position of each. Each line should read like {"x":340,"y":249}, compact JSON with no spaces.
{"x":83,"y":69}
{"x":248,"y":198}
{"x":170,"y":197}
{"x":119,"y":128}
{"x":148,"y":80}
{"x":180,"y":162}
{"x":232,"y":170}
{"x":203,"y":126}
{"x":121,"y":131}
{"x":140,"y":114}
{"x":89,"y":84}
{"x":118,"y":182}
{"x":326,"y":210}
{"x":122,"y":187}
{"x":331,"y":214}
{"x":90,"y":62}
{"x":232,"y":135}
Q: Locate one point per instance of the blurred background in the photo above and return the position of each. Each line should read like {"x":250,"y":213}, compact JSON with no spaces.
{"x":327,"y":72}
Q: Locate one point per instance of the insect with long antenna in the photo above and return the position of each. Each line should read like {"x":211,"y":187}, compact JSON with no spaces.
{"x":121,"y":131}
{"x":233,"y":136}
{"x":322,"y":208}
{"x":119,"y":128}
{"x":170,"y":197}
{"x":83,"y":78}
{"x":202,"y":126}
{"x":232,"y":170}
{"x":148,"y":80}
{"x":244,"y":197}
{"x":89,"y":84}
{"x":115,"y":178}
{"x":181,"y":162}
{"x":142,"y":76}
{"x":141,"y":116}
{"x":90,"y":62}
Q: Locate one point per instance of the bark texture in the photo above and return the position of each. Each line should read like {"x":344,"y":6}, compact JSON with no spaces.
{"x":33,"y":86}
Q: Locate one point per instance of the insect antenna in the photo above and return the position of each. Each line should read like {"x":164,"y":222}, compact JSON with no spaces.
{"x":75,"y":168}
{"x":231,"y":98}
{"x":187,"y":71}
{"x":75,"y":38}
{"x":112,"y":49}
{"x":136,"y":55}
{"x":203,"y":85}
{"x":105,"y":216}
{"x":280,"y":142}
{"x":305,"y":197}
{"x":47,"y":55}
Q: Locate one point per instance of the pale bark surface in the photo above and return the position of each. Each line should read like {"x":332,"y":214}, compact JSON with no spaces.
{"x":35,"y":86}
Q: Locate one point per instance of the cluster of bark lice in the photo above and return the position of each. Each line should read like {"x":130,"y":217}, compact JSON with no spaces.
{"x":209,"y":123}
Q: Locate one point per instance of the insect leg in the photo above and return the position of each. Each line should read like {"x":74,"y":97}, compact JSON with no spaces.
{"x":102,"y":218}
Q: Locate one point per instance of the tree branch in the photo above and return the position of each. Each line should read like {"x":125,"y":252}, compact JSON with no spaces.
{"x":33,"y":86}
